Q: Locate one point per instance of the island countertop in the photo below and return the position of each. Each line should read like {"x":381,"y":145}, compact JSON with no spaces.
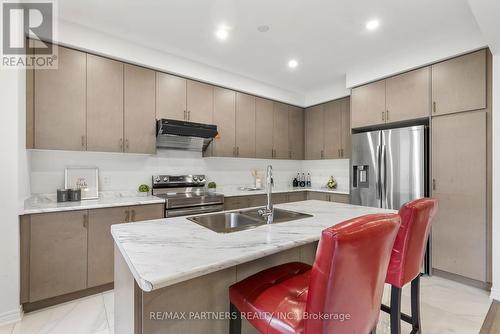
{"x":164,"y":252}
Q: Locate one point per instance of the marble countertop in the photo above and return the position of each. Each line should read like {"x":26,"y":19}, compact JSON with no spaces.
{"x":235,"y":191}
{"x":48,"y":202}
{"x":163,"y":252}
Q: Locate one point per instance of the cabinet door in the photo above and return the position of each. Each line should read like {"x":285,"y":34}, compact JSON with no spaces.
{"x":245,"y":125}
{"x":170,"y":97}
{"x":147,"y":212}
{"x":333,"y":129}
{"x":459,"y":171}
{"x":200,"y":102}
{"x":234,"y":203}
{"x":257,"y":200}
{"x":346,"y":128}
{"x":58,"y":254}
{"x":280,"y":131}
{"x":319,"y":196}
{"x":297,"y":196}
{"x":296,"y":133}
{"x":368,"y":105}
{"x":139,"y":108}
{"x":263,"y":128}
{"x":104,"y":104}
{"x":101,"y":244}
{"x":409,"y":95}
{"x":459,"y":84}
{"x":340,"y":198}
{"x":314,"y":132}
{"x":60,"y":98}
{"x":278,"y":198}
{"x":225,"y":118}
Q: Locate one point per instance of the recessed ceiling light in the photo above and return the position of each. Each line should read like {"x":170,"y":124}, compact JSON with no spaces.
{"x":372,"y":24}
{"x":263,"y":28}
{"x":293,"y":63}
{"x":222,"y":33}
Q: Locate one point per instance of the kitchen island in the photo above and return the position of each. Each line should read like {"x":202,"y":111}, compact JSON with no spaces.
{"x":172,"y":275}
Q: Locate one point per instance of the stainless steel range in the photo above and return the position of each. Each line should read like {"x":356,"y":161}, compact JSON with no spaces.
{"x":186,"y":195}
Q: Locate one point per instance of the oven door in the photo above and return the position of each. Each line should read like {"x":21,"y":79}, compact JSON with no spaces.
{"x":179,"y":212}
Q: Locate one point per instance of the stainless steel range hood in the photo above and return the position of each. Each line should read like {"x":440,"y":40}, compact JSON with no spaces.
{"x":182,"y":135}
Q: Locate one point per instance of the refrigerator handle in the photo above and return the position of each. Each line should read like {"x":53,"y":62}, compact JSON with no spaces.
{"x":377,"y":183}
{"x":383,"y":176}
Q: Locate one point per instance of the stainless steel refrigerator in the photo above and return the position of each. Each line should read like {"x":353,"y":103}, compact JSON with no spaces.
{"x":389,"y":167}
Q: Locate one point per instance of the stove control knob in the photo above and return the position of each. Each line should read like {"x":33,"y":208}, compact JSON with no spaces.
{"x":157,"y":179}
{"x":195,"y":178}
{"x":202,"y":179}
{"x":165,"y":179}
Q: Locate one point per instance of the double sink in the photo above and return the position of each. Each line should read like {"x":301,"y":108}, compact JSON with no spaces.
{"x":228,"y":222}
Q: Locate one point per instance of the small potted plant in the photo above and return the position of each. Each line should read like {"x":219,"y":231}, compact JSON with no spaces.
{"x":211,"y":186}
{"x":143,"y":190}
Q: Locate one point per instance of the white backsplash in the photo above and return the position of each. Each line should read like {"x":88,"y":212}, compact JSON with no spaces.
{"x":118,"y":171}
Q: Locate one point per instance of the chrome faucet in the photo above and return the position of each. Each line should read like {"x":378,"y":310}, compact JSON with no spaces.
{"x":268,"y":210}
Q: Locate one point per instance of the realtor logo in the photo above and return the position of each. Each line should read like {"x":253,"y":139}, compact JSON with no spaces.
{"x":25,"y":25}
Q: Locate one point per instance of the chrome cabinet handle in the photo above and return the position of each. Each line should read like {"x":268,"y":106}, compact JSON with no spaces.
{"x":85,"y":220}
{"x":387,"y":115}
{"x":434,"y":106}
{"x":126,"y":144}
{"x":127,"y":216}
{"x":189,"y":115}
{"x":185,"y":115}
{"x":383,"y":116}
{"x":133,"y":215}
{"x":433,"y":184}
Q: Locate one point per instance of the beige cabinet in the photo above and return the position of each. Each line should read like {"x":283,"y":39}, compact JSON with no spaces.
{"x":104,"y":104}
{"x":333,"y":129}
{"x":296,"y":196}
{"x":170,"y":97}
{"x":459,"y":84}
{"x":346,"y":148}
{"x":328,"y":197}
{"x":60,"y":103}
{"x":408,"y":95}
{"x":58,"y":254}
{"x":296,"y":133}
{"x":245,"y":125}
{"x":316,"y":195}
{"x":264,"y":120}
{"x":314,"y":132}
{"x":368,"y":105}
{"x":139,"y":110}
{"x":280,"y":131}
{"x":459,"y":183}
{"x":147,"y":212}
{"x":224,"y":145}
{"x":200,"y":102}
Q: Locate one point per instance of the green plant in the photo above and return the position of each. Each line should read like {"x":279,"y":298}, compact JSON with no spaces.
{"x":212,"y":185}
{"x":143,"y":188}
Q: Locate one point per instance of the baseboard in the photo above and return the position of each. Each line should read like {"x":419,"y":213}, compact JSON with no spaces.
{"x":10,"y":317}
{"x":461,"y":279}
{"x":495,"y":294}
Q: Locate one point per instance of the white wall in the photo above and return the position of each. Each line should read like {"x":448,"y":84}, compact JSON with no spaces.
{"x":12,"y":85}
{"x":126,"y":171}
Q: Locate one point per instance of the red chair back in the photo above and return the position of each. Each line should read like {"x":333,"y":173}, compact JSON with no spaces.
{"x":409,"y":248}
{"x":347,"y":278}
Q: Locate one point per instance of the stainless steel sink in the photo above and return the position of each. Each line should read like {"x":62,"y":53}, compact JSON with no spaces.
{"x":227,"y":222}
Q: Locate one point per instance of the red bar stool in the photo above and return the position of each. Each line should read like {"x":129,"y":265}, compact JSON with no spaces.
{"x":406,"y":261}
{"x":340,"y":293}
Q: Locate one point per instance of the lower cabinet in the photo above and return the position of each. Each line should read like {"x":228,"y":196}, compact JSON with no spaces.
{"x":240,"y":202}
{"x":328,"y":197}
{"x":67,"y":252}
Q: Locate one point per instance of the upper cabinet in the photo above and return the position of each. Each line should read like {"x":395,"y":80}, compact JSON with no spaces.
{"x":225,"y":118}
{"x":368,"y":105}
{"x":346,"y":128}
{"x":280,"y":131}
{"x":332,"y":123}
{"x":245,"y":125}
{"x":459,"y":84}
{"x":104,"y":104}
{"x":170,"y":97}
{"x":408,"y":95}
{"x":314,"y":132}
{"x":264,"y":128}
{"x":139,"y":110}
{"x":200,"y":102}
{"x":60,"y":103}
{"x":296,"y":132}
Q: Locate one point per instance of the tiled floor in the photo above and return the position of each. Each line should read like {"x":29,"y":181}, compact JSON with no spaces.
{"x":447,"y":307}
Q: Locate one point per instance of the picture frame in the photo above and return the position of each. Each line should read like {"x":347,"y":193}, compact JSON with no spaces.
{"x":84,"y":178}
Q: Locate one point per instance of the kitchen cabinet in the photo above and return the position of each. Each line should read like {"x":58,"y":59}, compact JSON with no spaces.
{"x":333,"y":130}
{"x":314,"y":132}
{"x":296,"y":196}
{"x":58,"y":254}
{"x":104,"y":104}
{"x":296,"y":133}
{"x":278,"y":198}
{"x":459,"y":229}
{"x":139,"y":110}
{"x":245,"y":125}
{"x":146,"y":212}
{"x":224,"y":145}
{"x":328,"y":197}
{"x":280,"y":131}
{"x":199,"y":102}
{"x":368,"y":105}
{"x":241,"y":202}
{"x":346,"y":148}
{"x":408,"y":95}
{"x":60,"y":103}
{"x":264,"y":120}
{"x":459,"y":84}
{"x":170,"y":97}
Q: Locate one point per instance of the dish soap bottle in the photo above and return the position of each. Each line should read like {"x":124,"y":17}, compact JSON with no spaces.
{"x":303,"y":181}
{"x":308,"y":180}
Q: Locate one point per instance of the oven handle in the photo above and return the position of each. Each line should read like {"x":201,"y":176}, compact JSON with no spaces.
{"x":194,"y":210}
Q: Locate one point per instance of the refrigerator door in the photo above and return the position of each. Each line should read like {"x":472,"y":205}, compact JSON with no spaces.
{"x":403,"y":166}
{"x":365,"y":187}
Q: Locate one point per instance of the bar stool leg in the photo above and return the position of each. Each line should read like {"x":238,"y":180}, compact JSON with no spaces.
{"x":235,"y":320}
{"x":415,"y":305}
{"x":395,"y":310}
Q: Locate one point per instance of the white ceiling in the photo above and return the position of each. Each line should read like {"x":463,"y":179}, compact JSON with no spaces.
{"x":327,"y":37}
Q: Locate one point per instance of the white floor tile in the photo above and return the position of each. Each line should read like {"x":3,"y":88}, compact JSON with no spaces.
{"x":7,"y":329}
{"x":109,"y":305}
